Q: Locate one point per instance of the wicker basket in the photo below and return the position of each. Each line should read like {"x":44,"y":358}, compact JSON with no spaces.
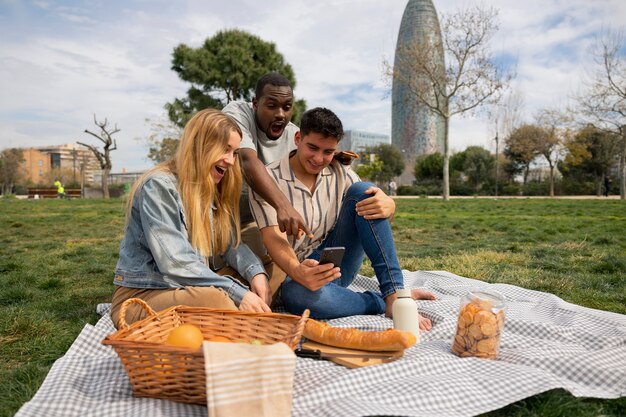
{"x":160,"y":371}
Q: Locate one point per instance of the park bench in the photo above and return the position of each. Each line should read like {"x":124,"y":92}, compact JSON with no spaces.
{"x":52,"y":192}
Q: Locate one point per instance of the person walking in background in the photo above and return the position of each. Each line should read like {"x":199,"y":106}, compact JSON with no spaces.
{"x":392,"y":187}
{"x":607,"y":185}
{"x":182,"y":215}
{"x":60,"y":189}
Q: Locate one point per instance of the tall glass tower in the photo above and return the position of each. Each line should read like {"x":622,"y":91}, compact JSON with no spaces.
{"x":415,"y":130}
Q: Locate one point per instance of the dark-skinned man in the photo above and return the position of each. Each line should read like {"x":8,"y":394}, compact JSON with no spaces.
{"x":268,"y":135}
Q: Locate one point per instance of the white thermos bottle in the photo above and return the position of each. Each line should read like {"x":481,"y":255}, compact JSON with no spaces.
{"x":405,"y":316}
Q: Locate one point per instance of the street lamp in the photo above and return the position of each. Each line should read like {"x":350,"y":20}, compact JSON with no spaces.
{"x":497,"y":159}
{"x":74,"y":163}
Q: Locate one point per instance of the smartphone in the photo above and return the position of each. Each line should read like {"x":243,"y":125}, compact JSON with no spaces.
{"x":332,"y":255}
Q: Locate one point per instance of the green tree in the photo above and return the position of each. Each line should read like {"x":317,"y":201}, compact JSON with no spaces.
{"x":225,"y":68}
{"x":11,"y":169}
{"x":370,"y":169}
{"x":523,"y":145}
{"x":590,"y":154}
{"x":391,"y":159}
{"x":429,"y":167}
{"x":477,"y":164}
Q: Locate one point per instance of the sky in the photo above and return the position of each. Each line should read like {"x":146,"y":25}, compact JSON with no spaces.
{"x":62,"y":62}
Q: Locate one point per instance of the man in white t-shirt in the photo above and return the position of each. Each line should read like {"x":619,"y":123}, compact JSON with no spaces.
{"x":268,"y":135}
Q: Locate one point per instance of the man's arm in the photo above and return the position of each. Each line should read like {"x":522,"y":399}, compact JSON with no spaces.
{"x":289,"y":220}
{"x":308,"y":273}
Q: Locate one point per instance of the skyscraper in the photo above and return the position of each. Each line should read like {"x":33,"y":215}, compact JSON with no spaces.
{"x":415,"y":130}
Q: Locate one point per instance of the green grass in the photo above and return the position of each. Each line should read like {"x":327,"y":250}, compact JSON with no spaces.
{"x":57,"y":259}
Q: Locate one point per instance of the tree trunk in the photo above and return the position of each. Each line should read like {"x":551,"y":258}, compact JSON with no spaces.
{"x":105,"y":182}
{"x":526,"y":172}
{"x":622,"y":168}
{"x":599,"y":185}
{"x":446,"y":161}
{"x":82,"y":181}
{"x":497,"y":165}
{"x":622,"y":177}
{"x":551,"y":180}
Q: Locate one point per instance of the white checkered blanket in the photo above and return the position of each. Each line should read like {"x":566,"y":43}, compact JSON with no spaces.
{"x":547,"y":343}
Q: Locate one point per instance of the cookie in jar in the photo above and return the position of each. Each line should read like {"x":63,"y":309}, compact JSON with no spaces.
{"x":480,"y":324}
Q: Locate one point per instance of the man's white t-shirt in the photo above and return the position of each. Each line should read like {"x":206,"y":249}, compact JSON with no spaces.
{"x":267,"y":150}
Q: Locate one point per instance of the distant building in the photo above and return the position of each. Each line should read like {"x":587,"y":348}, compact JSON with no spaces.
{"x":358,"y":140}
{"x":539,"y":171}
{"x":415,"y":129}
{"x":68,"y":159}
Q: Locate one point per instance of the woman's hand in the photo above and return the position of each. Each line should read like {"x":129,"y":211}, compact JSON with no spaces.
{"x":261,"y":287}
{"x":254,"y":303}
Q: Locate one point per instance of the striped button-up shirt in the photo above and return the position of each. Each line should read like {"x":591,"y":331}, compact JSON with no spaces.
{"x":319,"y":208}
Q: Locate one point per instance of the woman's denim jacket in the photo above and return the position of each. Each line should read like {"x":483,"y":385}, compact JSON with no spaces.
{"x":156,"y":253}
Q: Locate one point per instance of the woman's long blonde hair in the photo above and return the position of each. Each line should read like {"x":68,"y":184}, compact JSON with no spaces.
{"x":204,"y":141}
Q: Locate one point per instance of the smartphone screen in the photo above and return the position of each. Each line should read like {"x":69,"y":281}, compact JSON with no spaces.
{"x":332,"y":255}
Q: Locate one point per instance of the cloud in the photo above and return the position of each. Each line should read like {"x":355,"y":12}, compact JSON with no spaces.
{"x":59,"y":65}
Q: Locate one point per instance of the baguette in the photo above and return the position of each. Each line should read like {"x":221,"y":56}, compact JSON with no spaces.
{"x":389,"y":339}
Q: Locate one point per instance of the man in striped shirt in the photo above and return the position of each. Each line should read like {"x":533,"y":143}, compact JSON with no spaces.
{"x":339,"y":210}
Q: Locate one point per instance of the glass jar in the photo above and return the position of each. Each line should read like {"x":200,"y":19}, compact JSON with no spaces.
{"x":480,"y":324}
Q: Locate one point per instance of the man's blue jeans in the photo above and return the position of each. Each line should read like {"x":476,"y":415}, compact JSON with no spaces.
{"x":360,"y":237}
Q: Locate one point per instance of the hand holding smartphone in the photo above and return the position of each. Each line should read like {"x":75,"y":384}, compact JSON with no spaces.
{"x":332,"y":255}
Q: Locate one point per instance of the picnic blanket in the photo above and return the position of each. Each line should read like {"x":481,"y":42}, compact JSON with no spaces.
{"x":547,"y":344}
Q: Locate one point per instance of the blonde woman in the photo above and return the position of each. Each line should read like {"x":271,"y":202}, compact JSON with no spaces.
{"x":182,"y":227}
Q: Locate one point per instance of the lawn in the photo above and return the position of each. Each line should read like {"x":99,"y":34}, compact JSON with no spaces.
{"x":57,"y":259}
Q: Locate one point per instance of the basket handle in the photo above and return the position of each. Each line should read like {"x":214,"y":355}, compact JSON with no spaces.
{"x":122,"y":320}
{"x":300,"y":329}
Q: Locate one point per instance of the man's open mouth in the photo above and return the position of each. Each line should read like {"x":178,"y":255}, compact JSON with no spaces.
{"x":276,"y":128}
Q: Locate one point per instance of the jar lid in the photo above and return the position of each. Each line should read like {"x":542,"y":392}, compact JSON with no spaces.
{"x":404,"y":293}
{"x":494,"y":296}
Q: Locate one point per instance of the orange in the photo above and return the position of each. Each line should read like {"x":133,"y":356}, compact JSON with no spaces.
{"x":185,"y":335}
{"x":222,"y":339}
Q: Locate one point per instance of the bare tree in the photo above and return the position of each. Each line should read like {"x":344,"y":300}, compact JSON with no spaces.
{"x":510,"y":111}
{"x":104,"y":157}
{"x":163,"y":139}
{"x":555,"y":123}
{"x":603,"y":102}
{"x":506,"y":117}
{"x":471,"y":77}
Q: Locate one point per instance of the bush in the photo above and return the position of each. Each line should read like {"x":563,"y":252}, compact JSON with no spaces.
{"x":510,"y":188}
{"x":461,"y":188}
{"x":20,"y":190}
{"x":570,"y":186}
{"x":536,"y":188}
{"x":420,"y":189}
